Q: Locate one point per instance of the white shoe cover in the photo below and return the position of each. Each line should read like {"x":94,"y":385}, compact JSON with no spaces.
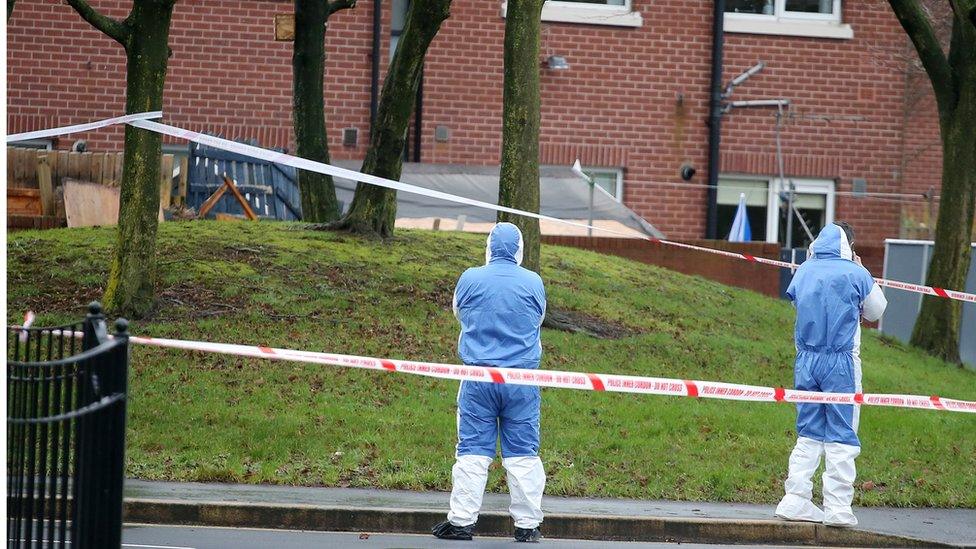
{"x":838,"y":484}
{"x":526,"y":482}
{"x":793,"y":507}
{"x":470,"y":474}
{"x":797,"y":504}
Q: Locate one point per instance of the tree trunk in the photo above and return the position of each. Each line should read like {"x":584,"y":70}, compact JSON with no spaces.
{"x":129,"y":290}
{"x":938,"y":325}
{"x":317,"y":190}
{"x":373,"y":209}
{"x":518,"y":184}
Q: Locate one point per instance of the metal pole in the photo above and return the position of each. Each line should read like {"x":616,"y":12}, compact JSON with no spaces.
{"x":589,"y":228}
{"x":803,"y":223}
{"x":782,"y":177}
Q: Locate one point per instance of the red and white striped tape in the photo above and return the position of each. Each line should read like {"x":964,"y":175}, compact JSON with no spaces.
{"x":28,"y":320}
{"x":571,"y":380}
{"x":140,"y":120}
{"x":917,"y":288}
{"x":565,"y":380}
{"x":335,"y":171}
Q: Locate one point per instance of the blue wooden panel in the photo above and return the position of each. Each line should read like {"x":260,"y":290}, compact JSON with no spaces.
{"x":270,"y":189}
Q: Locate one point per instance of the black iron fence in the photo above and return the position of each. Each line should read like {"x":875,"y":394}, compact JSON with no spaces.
{"x":66,"y":404}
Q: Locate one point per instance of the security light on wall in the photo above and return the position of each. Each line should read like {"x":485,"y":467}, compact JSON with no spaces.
{"x":738,"y":80}
{"x":556,"y":63}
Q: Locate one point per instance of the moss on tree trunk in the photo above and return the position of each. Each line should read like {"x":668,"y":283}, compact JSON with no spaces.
{"x":938,"y":325}
{"x":319,"y":203}
{"x":130,"y":286}
{"x":373,"y":209}
{"x":953,"y":79}
{"x":518,"y":185}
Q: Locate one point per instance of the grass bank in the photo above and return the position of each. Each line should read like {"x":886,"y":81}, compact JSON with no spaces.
{"x":202,"y":417}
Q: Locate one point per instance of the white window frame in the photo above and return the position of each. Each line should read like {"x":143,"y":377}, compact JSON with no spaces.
{"x":832,"y":17}
{"x":603,"y":170}
{"x":588,"y":14}
{"x":827,"y":187}
{"x":775,"y":185}
{"x":790,"y":23}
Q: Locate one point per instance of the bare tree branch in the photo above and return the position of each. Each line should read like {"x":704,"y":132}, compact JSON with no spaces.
{"x":337,"y":5}
{"x":114,"y":29}
{"x":920,"y":31}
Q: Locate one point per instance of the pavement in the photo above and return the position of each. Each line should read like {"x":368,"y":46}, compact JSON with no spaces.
{"x":406,"y":512}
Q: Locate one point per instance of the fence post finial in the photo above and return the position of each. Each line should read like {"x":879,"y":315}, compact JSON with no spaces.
{"x":121,"y":327}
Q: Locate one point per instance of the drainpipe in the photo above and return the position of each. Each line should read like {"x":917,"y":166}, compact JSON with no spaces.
{"x":715,"y":118}
{"x":374,"y":88}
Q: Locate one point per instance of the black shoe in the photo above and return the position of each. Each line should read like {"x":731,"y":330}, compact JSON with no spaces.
{"x":446,"y":530}
{"x":527,"y":535}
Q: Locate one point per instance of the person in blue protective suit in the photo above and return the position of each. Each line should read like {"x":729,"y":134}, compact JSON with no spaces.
{"x":831,"y":292}
{"x":500,"y":307}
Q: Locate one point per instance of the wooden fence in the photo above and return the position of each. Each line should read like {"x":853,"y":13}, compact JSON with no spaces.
{"x":34,"y":175}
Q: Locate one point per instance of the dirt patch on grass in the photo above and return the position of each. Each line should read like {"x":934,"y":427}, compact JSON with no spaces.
{"x":192,"y":302}
{"x":65,"y":295}
{"x":567,"y":320}
{"x":35,"y":268}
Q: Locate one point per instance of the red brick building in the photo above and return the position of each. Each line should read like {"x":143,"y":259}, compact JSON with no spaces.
{"x":632,"y":105}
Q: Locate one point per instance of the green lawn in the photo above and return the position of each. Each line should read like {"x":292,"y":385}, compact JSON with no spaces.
{"x":196,"y":416}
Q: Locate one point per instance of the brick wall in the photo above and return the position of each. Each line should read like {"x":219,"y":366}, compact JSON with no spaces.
{"x":743,"y":274}
{"x":726,"y":270}
{"x":617,"y":106}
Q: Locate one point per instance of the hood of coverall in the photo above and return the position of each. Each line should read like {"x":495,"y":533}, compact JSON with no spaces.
{"x":504,"y":244}
{"x":832,"y":243}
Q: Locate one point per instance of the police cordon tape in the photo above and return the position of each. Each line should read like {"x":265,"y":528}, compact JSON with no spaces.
{"x":565,"y":380}
{"x":29,"y":318}
{"x":142,"y":121}
{"x":78,"y":128}
{"x":335,"y":171}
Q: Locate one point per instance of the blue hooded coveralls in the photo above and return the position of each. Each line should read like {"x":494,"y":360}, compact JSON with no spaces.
{"x":831,"y":293}
{"x":828,"y":293}
{"x":501,"y":307}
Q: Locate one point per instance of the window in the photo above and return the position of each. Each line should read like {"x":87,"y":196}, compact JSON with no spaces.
{"x":617,"y":13}
{"x":597,"y":2}
{"x":757,"y":198}
{"x":817,"y":18}
{"x":766,"y":206}
{"x":798,"y":9}
{"x":398,"y":18}
{"x":805,"y":8}
{"x":610,"y":180}
{"x":34,"y":144}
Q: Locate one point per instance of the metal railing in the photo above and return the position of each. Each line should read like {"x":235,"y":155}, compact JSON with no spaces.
{"x":66,"y":406}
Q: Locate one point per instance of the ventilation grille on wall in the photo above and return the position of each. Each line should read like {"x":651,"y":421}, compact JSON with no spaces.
{"x":350,"y":137}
